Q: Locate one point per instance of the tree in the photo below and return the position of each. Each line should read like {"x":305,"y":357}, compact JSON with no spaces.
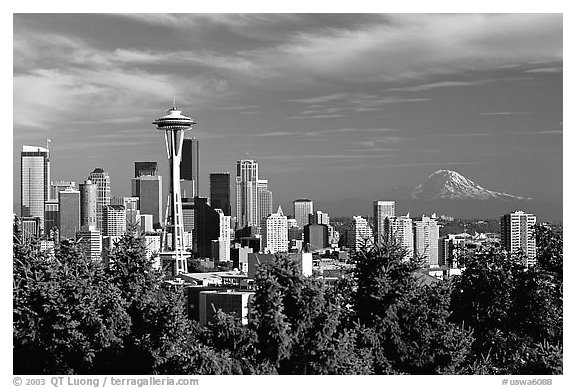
{"x":66,"y":313}
{"x":515,"y":312}
{"x":298,"y":324}
{"x":405,"y":323}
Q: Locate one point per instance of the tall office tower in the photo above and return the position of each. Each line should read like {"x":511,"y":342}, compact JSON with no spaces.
{"x":220,"y":192}
{"x":359,"y":234}
{"x":173,"y":256}
{"x":223,"y":240}
{"x":69,"y":213}
{"x":264,"y":198}
{"x":88,"y":204}
{"x":399,"y":230}
{"x":148,"y":189}
{"x":35,"y":181}
{"x":51,"y":219}
{"x":189,"y":168}
{"x":382,"y":210}
{"x":303,"y":207}
{"x":206,"y":226}
{"x":188,"y":213}
{"x":247,"y":193}
{"x":275,"y":232}
{"x":517,"y":235}
{"x":145,"y":168}
{"x":102,"y":181}
{"x":319,"y":218}
{"x":316,"y":237}
{"x":90,"y":239}
{"x":114,"y":223}
{"x":56,"y":187}
{"x":426,"y":235}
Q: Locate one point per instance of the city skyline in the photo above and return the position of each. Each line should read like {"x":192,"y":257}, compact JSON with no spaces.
{"x":480,"y":94}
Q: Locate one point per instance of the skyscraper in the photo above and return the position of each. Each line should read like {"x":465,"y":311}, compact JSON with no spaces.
{"x":102,"y":181}
{"x":302,"y":208}
{"x":88,"y":204}
{"x":517,"y":235}
{"x":148,"y":189}
{"x":359,"y":234}
{"x":223,"y":241}
{"x":382,"y":210}
{"x":90,"y":239}
{"x":145,"y":168}
{"x":35,"y":180}
{"x":264,"y":198}
{"x":69,"y":213}
{"x":426,"y":235}
{"x":399,"y":230}
{"x":220,"y":192}
{"x":190,"y":168}
{"x":247,"y":193}
{"x":114,"y":222}
{"x":275,"y":232}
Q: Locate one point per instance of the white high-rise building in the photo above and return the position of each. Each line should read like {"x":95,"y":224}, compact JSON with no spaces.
{"x":302,"y":208}
{"x":399,"y":230}
{"x":114,"y":222}
{"x":275,"y":232}
{"x":91,"y":240}
{"x":100,"y":178}
{"x":247,"y":193}
{"x":381,"y":211}
{"x":359,"y":234}
{"x":224,"y":238}
{"x":35,"y":181}
{"x":517,"y":235}
{"x":426,"y":235}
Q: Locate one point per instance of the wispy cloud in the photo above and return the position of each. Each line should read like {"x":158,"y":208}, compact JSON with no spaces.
{"x":339,"y":104}
{"x":505,"y":113}
{"x":556,"y":69}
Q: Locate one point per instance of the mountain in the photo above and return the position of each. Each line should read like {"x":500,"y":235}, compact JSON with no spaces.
{"x":448,"y":184}
{"x":450,"y":193}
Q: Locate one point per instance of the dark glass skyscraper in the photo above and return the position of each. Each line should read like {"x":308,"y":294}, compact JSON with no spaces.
{"x":220,"y":192}
{"x":189,"y":168}
{"x":69,"y":213}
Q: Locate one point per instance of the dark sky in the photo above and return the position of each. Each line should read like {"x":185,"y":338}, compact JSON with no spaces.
{"x":332,"y":106}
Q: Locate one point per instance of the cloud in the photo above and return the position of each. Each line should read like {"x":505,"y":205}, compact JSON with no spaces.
{"x":505,"y":113}
{"x":334,"y":105}
{"x":416,"y":45}
{"x":556,"y":69}
{"x":436,"y":85}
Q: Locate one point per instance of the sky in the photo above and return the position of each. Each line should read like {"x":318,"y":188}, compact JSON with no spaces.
{"x":332,"y":106}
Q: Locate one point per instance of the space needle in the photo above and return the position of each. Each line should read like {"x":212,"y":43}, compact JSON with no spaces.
{"x":172,"y":254}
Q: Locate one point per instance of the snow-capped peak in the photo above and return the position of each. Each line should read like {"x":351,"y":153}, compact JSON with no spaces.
{"x":448,"y":184}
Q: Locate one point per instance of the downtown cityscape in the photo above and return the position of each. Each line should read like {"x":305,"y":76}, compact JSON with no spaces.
{"x":198,"y":234}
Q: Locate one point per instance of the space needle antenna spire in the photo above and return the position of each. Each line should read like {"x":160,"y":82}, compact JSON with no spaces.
{"x":172,"y":253}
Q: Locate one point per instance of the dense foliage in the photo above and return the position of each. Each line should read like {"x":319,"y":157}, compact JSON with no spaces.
{"x":73,"y":315}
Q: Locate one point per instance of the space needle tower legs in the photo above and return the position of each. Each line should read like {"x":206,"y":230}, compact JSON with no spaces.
{"x":172,"y":253}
